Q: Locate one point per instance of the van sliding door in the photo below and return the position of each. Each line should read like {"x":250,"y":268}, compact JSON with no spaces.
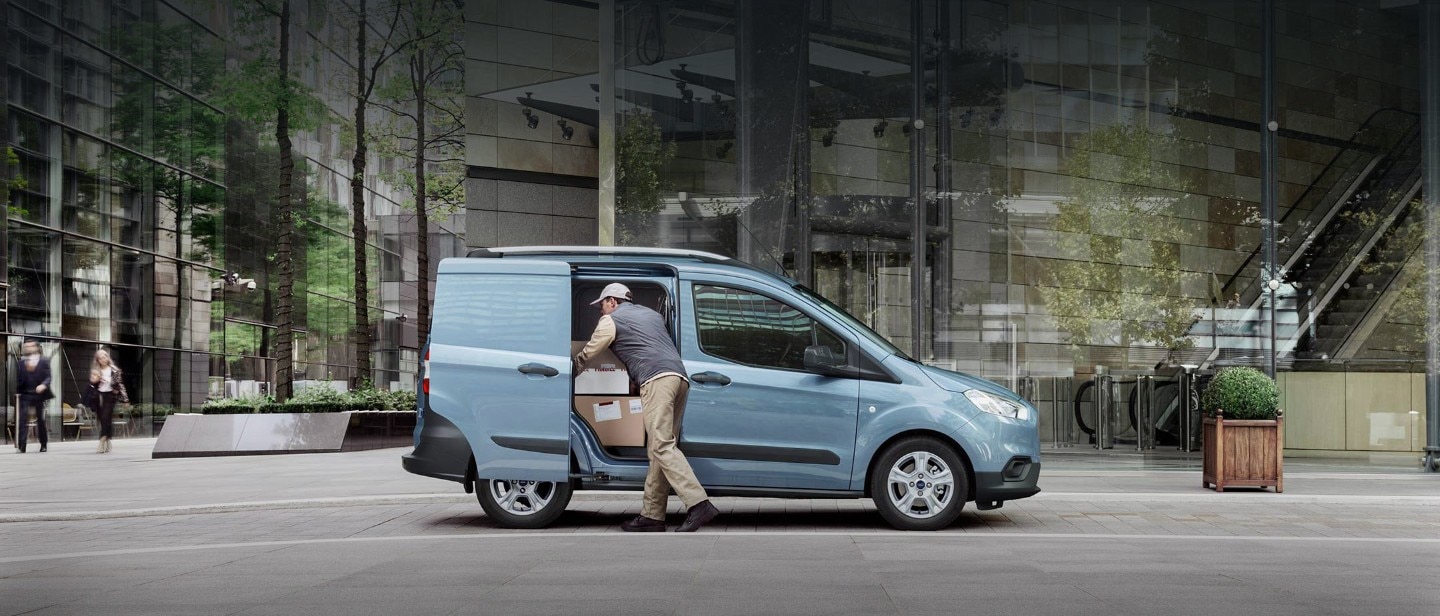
{"x":500,"y":363}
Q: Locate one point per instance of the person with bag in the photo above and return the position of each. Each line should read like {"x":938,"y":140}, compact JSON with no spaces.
{"x":32,"y":382}
{"x":109,"y":387}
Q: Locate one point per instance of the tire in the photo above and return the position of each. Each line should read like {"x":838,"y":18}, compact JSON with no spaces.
{"x":522,"y":504}
{"x":898,"y":472}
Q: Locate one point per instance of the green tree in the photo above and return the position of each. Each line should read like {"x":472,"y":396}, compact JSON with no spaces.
{"x":1118,"y":278}
{"x":263,"y":90}
{"x":425,"y":101}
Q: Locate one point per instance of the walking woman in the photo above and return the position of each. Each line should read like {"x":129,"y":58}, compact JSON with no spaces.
{"x":108,"y":388}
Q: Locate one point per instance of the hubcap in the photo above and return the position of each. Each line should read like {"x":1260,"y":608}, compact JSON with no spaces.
{"x":521,"y":497}
{"x":921,"y":485}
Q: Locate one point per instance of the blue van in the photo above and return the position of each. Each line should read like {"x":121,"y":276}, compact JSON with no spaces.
{"x":791,"y":396}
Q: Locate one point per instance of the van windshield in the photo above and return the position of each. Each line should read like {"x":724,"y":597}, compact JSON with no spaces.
{"x":834,"y":310}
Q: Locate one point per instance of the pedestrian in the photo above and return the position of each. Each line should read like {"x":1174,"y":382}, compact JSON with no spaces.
{"x":638,"y":337}
{"x":32,"y":382}
{"x":109,"y":386}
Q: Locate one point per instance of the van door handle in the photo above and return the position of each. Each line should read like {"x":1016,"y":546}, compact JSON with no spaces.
{"x":540,"y":369}
{"x":710,"y":377}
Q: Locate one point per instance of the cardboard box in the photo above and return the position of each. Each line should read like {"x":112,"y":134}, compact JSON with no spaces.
{"x":619,"y":421}
{"x":603,"y":375}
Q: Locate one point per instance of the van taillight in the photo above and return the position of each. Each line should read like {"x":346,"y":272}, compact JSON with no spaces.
{"x":425,"y":374}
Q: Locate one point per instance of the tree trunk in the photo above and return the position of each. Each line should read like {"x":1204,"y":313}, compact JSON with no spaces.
{"x":357,"y":209}
{"x":284,"y":309}
{"x":422,"y":217}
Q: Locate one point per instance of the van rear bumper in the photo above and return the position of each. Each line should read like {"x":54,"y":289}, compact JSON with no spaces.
{"x":442,"y":451}
{"x":996,"y":487}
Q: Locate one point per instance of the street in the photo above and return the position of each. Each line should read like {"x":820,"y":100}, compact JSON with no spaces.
{"x":352,"y":534}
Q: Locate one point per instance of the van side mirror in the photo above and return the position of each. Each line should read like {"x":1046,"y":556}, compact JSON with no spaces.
{"x":821,"y":359}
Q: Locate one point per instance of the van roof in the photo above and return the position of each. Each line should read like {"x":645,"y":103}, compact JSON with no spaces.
{"x":660,"y":254}
{"x":502,"y":251}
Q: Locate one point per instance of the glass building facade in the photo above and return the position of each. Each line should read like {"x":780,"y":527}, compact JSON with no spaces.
{"x":140,"y":219}
{"x":1040,"y":191}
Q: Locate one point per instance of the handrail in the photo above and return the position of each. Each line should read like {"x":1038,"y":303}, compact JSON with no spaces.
{"x":1352,"y":144}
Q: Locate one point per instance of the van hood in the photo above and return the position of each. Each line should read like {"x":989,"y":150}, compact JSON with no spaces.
{"x":959,"y":382}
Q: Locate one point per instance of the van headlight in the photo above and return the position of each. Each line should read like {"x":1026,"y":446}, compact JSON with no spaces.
{"x":995,"y":405}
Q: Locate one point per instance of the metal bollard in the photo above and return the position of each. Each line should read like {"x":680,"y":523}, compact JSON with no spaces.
{"x":1104,"y":404}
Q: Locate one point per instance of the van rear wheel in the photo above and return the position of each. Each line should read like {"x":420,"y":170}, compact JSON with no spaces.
{"x":919,"y":483}
{"x":514,"y":503}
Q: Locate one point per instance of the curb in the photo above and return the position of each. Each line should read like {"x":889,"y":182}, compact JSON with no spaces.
{"x":303,"y":503}
{"x":1246,"y":497}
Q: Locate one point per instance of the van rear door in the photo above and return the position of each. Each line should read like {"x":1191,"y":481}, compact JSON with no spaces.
{"x":500,"y":363}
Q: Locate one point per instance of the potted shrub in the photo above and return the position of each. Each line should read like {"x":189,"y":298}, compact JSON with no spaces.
{"x":1244,"y":432}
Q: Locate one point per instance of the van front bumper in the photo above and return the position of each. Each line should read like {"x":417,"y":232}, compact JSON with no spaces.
{"x":1011,"y":484}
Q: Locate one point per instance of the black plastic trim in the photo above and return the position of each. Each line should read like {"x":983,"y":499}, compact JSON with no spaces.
{"x":638,"y":486}
{"x":760,"y":453}
{"x":537,"y":445}
{"x":992,"y":487}
{"x":442,"y":452}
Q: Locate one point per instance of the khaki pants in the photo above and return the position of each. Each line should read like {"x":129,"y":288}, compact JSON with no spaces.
{"x":664,"y":401}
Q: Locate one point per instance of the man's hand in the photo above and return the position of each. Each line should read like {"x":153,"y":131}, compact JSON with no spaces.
{"x":40,"y":389}
{"x":576,"y":365}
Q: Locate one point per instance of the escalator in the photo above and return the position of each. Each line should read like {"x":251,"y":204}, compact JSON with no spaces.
{"x":1335,"y":257}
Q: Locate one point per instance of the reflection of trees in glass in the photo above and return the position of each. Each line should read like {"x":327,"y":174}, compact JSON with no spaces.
{"x":16,"y":182}
{"x":1118,"y":279}
{"x":426,"y":102}
{"x":640,"y":154}
{"x":189,"y":136}
{"x":263,"y":90}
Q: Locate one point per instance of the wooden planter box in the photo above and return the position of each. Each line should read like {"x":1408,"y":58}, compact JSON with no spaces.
{"x":1244,"y":452}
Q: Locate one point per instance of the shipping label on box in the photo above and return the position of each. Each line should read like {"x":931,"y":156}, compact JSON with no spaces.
{"x":603,"y":375}
{"x":636,"y":406}
{"x":612,"y":425}
{"x":608,"y":412}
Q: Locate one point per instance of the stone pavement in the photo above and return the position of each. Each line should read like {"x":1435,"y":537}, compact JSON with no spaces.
{"x":352,"y":533}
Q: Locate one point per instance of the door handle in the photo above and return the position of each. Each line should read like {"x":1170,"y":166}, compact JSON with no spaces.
{"x":540,"y":369}
{"x":710,"y":377}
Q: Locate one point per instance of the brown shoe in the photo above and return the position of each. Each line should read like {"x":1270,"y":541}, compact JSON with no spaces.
{"x":642,"y":524}
{"x":699,"y":515}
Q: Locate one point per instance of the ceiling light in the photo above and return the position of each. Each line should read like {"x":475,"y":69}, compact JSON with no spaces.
{"x":566,"y":130}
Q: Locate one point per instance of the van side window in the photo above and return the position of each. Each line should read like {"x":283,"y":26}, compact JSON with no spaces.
{"x":749,"y":328}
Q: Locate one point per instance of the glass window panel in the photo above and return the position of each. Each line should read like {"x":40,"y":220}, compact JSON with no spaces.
{"x":753,"y":329}
{"x":173,"y":135}
{"x":85,"y":290}
{"x":133,"y":97}
{"x":131,"y":277}
{"x":172,"y":45}
{"x":32,"y":305}
{"x":131,"y":200}
{"x":87,"y":19}
{"x":32,"y":139}
{"x":86,"y":186}
{"x":86,"y":91}
{"x":32,"y":49}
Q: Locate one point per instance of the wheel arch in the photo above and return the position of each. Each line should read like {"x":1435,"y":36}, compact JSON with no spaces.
{"x":942,"y":437}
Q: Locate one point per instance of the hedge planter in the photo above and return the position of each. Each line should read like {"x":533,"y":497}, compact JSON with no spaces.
{"x":241,"y":434}
{"x":1244,"y":452}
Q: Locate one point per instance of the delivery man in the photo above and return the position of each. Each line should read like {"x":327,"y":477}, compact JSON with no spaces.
{"x":637,"y":336}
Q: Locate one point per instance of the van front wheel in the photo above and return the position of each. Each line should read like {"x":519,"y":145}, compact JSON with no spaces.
{"x":514,"y":503}
{"x":919,"y":483}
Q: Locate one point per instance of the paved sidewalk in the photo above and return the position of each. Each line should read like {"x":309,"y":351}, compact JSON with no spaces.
{"x":352,"y":533}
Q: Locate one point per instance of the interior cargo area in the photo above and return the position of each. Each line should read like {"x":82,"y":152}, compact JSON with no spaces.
{"x":603,"y":395}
